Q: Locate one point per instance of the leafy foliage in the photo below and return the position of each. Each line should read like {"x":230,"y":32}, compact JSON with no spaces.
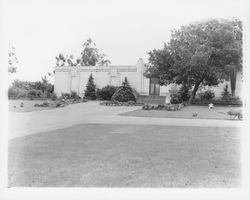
{"x":199,"y":54}
{"x":27,"y":89}
{"x":72,"y":95}
{"x":90,"y":56}
{"x":67,"y":60}
{"x":225,"y":93}
{"x":13,"y":61}
{"x":175,"y":96}
{"x":90,"y":92}
{"x":179,"y":95}
{"x":106,"y":92}
{"x":124,"y":93}
{"x":207,"y":95}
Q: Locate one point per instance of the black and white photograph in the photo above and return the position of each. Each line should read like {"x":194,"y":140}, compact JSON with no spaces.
{"x":124,"y":99}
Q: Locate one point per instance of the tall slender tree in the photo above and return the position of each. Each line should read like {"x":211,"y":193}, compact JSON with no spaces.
{"x":90,"y":92}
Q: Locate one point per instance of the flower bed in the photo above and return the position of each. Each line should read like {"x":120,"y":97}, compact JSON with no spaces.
{"x":60,"y":103}
{"x":168,"y":107}
{"x":117,"y":103}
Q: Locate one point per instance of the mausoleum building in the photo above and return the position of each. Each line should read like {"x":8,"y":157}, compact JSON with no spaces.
{"x":69,"y":79}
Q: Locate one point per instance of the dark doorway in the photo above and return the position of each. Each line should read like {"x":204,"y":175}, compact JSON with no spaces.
{"x":154,"y":87}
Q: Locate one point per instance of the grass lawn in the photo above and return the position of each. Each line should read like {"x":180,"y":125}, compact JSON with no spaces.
{"x":97,"y":155}
{"x":186,"y":112}
{"x":14,"y":105}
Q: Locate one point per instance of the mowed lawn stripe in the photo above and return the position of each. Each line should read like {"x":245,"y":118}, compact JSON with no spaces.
{"x":104,"y":155}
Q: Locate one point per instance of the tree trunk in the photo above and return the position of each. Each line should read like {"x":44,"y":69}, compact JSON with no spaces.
{"x":233,"y":76}
{"x":196,"y":86}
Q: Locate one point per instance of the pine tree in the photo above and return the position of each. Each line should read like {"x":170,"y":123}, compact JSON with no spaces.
{"x":90,"y":92}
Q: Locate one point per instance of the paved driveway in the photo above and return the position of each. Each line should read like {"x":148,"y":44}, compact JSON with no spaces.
{"x":24,"y":123}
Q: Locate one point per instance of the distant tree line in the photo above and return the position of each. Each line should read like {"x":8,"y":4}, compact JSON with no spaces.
{"x":32,"y":90}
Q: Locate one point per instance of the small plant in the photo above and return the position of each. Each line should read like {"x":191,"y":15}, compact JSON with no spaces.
{"x":225,"y":93}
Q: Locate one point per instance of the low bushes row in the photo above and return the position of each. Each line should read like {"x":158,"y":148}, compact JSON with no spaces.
{"x":19,"y":93}
{"x":234,"y":101}
{"x":168,"y":107}
{"x":117,"y":103}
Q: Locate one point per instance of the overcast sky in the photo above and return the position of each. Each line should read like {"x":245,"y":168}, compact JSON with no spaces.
{"x":124,"y":30}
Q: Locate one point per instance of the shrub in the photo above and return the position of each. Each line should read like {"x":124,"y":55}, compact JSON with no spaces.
{"x":175,"y":96}
{"x":65,"y":96}
{"x":13,"y":92}
{"x":106,"y":92}
{"x":34,"y":94}
{"x":222,"y":101}
{"x":207,"y":95}
{"x":231,"y":100}
{"x":74,"y":95}
{"x":90,"y":92}
{"x":184,"y":93}
{"x":123,"y":94}
{"x":225,"y":92}
{"x":117,"y":103}
{"x":168,"y":107}
{"x":53,"y":96}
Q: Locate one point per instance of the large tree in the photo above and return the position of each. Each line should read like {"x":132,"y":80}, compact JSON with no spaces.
{"x":90,"y":56}
{"x":203,"y":53}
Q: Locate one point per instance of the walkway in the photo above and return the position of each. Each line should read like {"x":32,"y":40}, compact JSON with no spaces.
{"x":24,"y":123}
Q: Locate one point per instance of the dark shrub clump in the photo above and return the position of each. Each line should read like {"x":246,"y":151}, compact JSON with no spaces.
{"x":124,"y":93}
{"x":106,"y":92}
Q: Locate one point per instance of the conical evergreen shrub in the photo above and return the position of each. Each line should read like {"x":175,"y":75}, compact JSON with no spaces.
{"x":124,"y":93}
{"x":90,"y":92}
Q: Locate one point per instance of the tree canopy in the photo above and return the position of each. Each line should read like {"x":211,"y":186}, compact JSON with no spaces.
{"x":203,"y":53}
{"x":90,"y":56}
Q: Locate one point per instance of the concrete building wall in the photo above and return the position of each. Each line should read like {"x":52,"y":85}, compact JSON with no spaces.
{"x":69,"y":79}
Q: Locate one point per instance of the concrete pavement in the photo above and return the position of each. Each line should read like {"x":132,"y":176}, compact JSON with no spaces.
{"x":23,"y":123}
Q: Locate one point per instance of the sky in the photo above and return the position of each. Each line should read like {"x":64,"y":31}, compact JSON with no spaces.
{"x":124,"y":30}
